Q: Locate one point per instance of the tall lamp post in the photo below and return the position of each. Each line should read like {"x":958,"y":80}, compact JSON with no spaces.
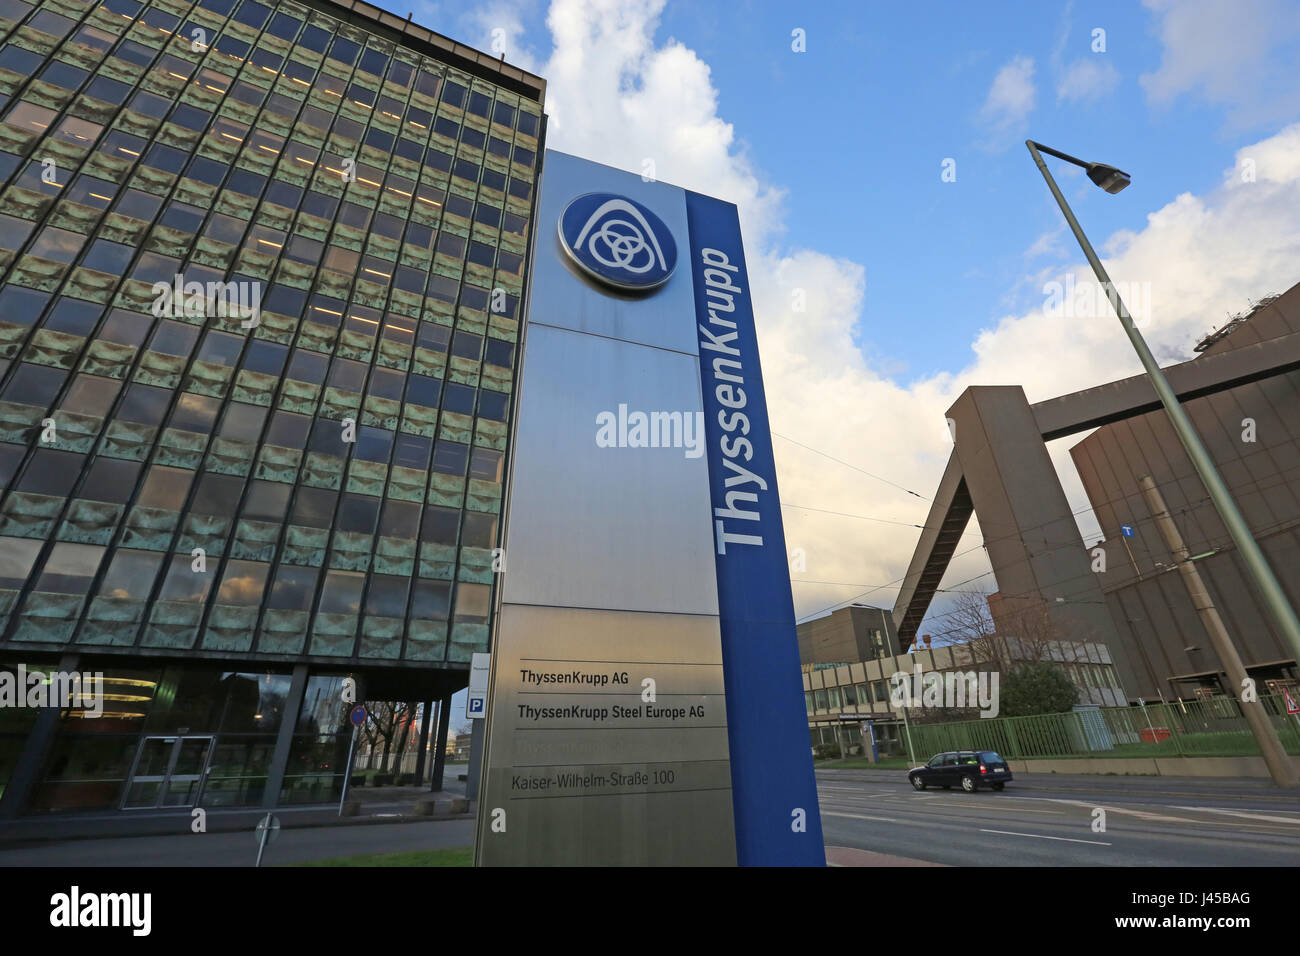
{"x":1113,"y":180}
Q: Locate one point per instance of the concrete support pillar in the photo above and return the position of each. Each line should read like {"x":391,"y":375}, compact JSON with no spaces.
{"x":1045,"y":575}
{"x":440,"y":751}
{"x":425,"y":708}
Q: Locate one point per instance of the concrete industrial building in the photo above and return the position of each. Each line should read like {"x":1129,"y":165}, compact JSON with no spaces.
{"x":1243,"y":395}
{"x":853,"y":633}
{"x":232,"y":501}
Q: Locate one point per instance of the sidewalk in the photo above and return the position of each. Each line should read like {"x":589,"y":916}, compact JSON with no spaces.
{"x":298,"y":845}
{"x":849,"y":856}
{"x":379,"y":805}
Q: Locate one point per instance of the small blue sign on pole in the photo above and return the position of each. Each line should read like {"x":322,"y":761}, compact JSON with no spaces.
{"x":1126,"y":530}
{"x":358,"y":715}
{"x":875,"y":749}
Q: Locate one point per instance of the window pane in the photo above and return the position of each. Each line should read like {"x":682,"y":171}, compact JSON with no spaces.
{"x":217,"y":495}
{"x":267,"y":501}
{"x":358,"y":513}
{"x":342,"y":592}
{"x":480,"y":530}
{"x":243,"y":422}
{"x":183,"y":583}
{"x":34,"y":385}
{"x":314,"y":507}
{"x":16,"y":558}
{"x":70,"y":568}
{"x":430,"y":600}
{"x":194,"y":413}
{"x":130,"y":575}
{"x":165,"y":488}
{"x":440,"y":526}
{"x":293,"y":590}
{"x":400,"y":519}
{"x":473,"y":602}
{"x":387,"y":595}
{"x":51,"y":472}
{"x":73,"y":316}
{"x":111,"y":480}
{"x":242,"y":583}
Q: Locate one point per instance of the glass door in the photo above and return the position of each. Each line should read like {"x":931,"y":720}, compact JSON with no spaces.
{"x":168,"y":772}
{"x":185,"y":779}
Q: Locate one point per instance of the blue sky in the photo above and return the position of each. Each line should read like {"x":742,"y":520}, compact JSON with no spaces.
{"x":917,"y":288}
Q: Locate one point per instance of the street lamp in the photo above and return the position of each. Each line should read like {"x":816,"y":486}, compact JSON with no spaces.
{"x":1113,"y":180}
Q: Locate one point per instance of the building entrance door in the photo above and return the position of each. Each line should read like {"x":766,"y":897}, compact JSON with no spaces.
{"x":168,"y":772}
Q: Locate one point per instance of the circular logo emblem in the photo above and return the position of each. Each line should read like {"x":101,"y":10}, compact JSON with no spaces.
{"x":618,"y":241}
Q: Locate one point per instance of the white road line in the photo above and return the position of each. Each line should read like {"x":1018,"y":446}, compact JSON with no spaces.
{"x":1039,"y":836}
{"x":1111,"y":808}
{"x":857,"y":816}
{"x":994,"y":806}
{"x":1248,"y":816}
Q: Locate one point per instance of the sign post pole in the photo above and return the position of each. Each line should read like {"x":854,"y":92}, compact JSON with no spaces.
{"x":357,"y":717}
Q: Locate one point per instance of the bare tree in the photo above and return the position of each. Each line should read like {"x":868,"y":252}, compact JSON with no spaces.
{"x":389,"y":719}
{"x":1020,"y":630}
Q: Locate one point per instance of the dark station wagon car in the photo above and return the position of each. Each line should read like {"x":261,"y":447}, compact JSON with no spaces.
{"x":968,"y":769}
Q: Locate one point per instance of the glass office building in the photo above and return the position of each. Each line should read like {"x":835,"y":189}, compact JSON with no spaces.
{"x":228,"y":510}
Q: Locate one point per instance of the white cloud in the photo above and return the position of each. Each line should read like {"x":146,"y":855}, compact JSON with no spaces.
{"x":617,"y":96}
{"x":1240,"y":55}
{"x":497,"y":28}
{"x":1275,"y":160}
{"x":1087,"y":79}
{"x":1010,"y":100}
{"x":1047,"y":244}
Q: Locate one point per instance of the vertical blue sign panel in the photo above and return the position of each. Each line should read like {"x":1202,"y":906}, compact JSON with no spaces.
{"x":773,"y":787}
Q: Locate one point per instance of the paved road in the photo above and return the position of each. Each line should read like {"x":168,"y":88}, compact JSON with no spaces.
{"x":1048,"y":820}
{"x":240,"y":848}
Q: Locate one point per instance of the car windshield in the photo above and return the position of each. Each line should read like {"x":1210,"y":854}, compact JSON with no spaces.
{"x":990,"y":756}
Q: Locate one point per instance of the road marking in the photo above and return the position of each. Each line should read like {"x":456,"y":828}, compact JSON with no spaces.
{"x":994,"y":806}
{"x":1243,"y":813}
{"x":1111,"y":808}
{"x":859,"y":793}
{"x":1039,"y":836}
{"x":857,"y":816}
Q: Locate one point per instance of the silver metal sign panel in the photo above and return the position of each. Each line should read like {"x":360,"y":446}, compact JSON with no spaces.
{"x":595,"y":524}
{"x":607,"y":741}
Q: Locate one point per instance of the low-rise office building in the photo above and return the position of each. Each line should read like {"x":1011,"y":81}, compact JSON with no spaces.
{"x":852,"y":693}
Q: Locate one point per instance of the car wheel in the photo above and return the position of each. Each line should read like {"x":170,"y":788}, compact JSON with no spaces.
{"x":968,"y":784}
{"x":999,"y":786}
{"x":918,"y":783}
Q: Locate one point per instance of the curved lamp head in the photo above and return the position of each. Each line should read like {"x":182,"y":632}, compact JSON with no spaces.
{"x":1108,"y":177}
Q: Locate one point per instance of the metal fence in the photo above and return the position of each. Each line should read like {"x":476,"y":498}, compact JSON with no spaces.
{"x":1210,"y":727}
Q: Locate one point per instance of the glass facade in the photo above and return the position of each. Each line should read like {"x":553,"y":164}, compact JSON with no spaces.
{"x":171,"y":735}
{"x":324,"y":484}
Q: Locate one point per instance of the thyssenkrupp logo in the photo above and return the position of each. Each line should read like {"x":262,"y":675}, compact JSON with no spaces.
{"x":618,"y":242}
